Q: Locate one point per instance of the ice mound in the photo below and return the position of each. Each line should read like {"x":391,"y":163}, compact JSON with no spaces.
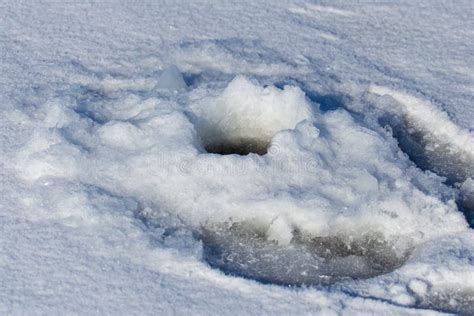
{"x":245,"y":117}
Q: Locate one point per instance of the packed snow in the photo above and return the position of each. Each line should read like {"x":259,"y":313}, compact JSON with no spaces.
{"x":260,"y":157}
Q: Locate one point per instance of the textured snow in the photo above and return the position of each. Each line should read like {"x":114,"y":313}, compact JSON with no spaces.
{"x":265,"y":157}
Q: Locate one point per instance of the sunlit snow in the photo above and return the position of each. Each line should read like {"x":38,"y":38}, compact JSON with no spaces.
{"x":250,"y":157}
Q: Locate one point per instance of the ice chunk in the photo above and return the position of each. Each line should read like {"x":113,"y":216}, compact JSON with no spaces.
{"x":171,"y":79}
{"x":280,"y":231}
{"x":419,"y":287}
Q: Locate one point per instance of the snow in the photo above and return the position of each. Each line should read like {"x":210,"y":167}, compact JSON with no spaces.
{"x":236,"y":158}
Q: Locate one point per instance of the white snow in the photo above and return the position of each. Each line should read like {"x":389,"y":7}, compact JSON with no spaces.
{"x":210,"y":158}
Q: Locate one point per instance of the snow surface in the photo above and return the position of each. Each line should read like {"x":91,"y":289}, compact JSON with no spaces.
{"x":351,"y":194}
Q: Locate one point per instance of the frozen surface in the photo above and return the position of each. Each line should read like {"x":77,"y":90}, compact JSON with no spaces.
{"x":263,"y":157}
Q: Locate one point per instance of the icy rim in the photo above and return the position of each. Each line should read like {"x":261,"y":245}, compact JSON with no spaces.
{"x":117,"y":197}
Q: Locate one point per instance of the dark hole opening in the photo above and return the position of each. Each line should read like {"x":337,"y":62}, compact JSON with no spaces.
{"x":238,"y":147}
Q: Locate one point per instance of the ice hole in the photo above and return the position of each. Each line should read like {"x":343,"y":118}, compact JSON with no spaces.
{"x":428,"y":153}
{"x":244,"y":117}
{"x":243,"y":146}
{"x":244,"y":249}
